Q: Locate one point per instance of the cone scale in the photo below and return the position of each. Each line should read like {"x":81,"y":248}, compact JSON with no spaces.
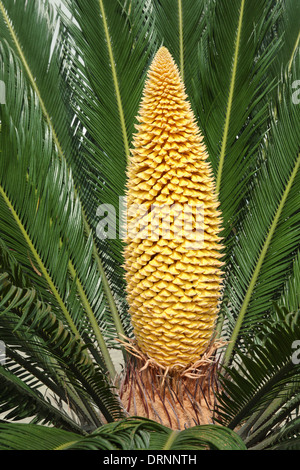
{"x":173,"y":286}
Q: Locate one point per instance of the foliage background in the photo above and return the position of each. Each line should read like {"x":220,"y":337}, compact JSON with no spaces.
{"x":65,"y":135}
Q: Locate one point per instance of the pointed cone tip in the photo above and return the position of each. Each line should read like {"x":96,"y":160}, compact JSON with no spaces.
{"x":163,"y":54}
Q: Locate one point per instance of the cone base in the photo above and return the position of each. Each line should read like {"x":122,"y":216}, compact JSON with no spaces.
{"x":175,"y":399}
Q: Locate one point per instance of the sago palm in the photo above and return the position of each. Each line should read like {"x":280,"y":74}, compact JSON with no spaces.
{"x":113,"y":340}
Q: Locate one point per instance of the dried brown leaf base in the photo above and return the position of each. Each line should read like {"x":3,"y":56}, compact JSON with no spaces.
{"x":177,"y":398}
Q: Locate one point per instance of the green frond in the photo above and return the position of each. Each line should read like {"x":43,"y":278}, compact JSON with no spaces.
{"x":35,"y":339}
{"x":44,"y":219}
{"x":287,"y":438}
{"x":268,"y":238}
{"x":130,"y":434}
{"x":262,"y":390}
{"x":289,"y":28}
{"x":199,"y":437}
{"x":23,"y":401}
{"x":230,"y":90}
{"x":73,"y":80}
{"x":41,"y":57}
{"x":18,"y":436}
{"x":180,"y":27}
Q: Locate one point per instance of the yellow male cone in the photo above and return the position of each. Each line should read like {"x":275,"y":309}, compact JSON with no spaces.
{"x":173,"y":283}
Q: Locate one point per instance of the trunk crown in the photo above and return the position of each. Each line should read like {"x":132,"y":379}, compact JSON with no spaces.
{"x":172,"y":262}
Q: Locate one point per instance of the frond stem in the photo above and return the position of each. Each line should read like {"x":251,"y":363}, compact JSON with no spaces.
{"x":106,"y":287}
{"x":181,"y":39}
{"x":66,"y":445}
{"x":170,"y":440}
{"x":93,"y":322}
{"x":115,"y":80}
{"x":293,"y":53}
{"x":230,"y":98}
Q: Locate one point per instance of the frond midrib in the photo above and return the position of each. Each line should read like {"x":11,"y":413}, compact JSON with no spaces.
{"x":230,"y":99}
{"x":54,"y":290}
{"x":93,"y":321}
{"x":115,"y":80}
{"x":294,"y":52}
{"x":181,"y":46}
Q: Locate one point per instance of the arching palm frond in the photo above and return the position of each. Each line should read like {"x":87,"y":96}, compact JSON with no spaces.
{"x":268,"y":239}
{"x":180,"y":26}
{"x":288,"y":31}
{"x":290,"y":297}
{"x":230,"y":90}
{"x":131,"y":434}
{"x":40,"y":351}
{"x":41,"y":57}
{"x":42,"y":214}
{"x":262,"y":391}
{"x":52,"y":305}
{"x":41,"y":65}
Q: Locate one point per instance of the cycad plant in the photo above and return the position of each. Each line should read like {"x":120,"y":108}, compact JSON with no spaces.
{"x":119,"y":342}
